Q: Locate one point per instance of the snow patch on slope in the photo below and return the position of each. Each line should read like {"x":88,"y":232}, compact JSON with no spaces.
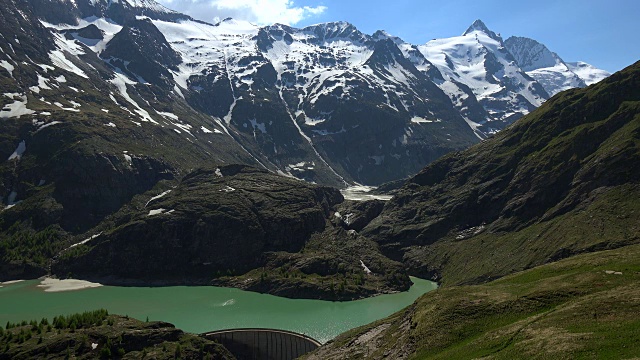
{"x":121,"y":81}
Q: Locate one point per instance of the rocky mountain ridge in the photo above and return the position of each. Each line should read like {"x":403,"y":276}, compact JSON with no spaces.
{"x":309,"y":102}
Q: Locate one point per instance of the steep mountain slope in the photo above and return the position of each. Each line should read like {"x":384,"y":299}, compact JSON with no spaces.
{"x":561,"y":181}
{"x":300,"y":101}
{"x":461,"y":96}
{"x":480,"y":60}
{"x":328,"y":87}
{"x":326,"y":103}
{"x":549,"y":69}
{"x":579,"y":308}
{"x":78,"y":140}
{"x":120,"y":11}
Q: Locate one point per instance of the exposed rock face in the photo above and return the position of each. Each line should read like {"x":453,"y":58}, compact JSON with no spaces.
{"x":211,"y":223}
{"x":139,"y":49}
{"x":69,"y":12}
{"x":355,"y":215}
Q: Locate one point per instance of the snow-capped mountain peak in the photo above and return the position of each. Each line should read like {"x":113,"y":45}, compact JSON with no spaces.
{"x":479,"y":60}
{"x":140,"y":4}
{"x":235,"y":23}
{"x":479,"y":26}
{"x":333,"y":31}
{"x":381,"y":34}
{"x":325,"y":103}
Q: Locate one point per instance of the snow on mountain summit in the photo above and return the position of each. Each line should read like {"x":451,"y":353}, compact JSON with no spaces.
{"x":587,"y":72}
{"x":548,"y":68}
{"x":480,"y":60}
{"x":144,"y":4}
{"x":530,"y":54}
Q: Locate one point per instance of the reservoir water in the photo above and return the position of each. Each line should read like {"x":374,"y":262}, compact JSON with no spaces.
{"x":205,"y":308}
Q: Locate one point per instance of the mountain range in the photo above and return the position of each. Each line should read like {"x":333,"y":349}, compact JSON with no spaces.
{"x":326,"y":103}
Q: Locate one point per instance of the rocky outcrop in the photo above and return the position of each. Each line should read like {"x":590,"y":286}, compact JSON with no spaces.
{"x":355,"y":215}
{"x":140,"y":50}
{"x":237,"y":226}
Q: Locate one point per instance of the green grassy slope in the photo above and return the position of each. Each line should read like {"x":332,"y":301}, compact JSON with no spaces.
{"x":585,"y":307}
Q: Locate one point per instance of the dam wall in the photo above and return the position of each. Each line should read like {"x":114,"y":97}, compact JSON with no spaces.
{"x":264,"y":344}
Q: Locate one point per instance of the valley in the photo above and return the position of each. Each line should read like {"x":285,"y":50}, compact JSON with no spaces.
{"x":468,"y":197}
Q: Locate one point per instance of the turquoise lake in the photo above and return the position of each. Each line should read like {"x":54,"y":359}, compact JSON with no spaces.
{"x":205,"y":308}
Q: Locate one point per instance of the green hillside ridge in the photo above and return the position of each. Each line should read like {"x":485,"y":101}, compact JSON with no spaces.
{"x":556,"y":193}
{"x":585,"y":307}
{"x":98,"y":335}
{"x":561,"y":181}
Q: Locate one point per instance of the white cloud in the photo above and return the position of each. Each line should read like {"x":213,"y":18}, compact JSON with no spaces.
{"x":261,"y":12}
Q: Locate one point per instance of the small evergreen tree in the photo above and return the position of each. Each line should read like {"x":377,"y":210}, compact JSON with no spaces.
{"x":105,"y":352}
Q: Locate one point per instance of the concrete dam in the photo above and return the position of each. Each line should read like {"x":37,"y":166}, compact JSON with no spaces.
{"x":264,"y":344}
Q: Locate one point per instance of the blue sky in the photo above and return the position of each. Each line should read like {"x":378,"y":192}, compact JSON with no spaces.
{"x":605,"y":34}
